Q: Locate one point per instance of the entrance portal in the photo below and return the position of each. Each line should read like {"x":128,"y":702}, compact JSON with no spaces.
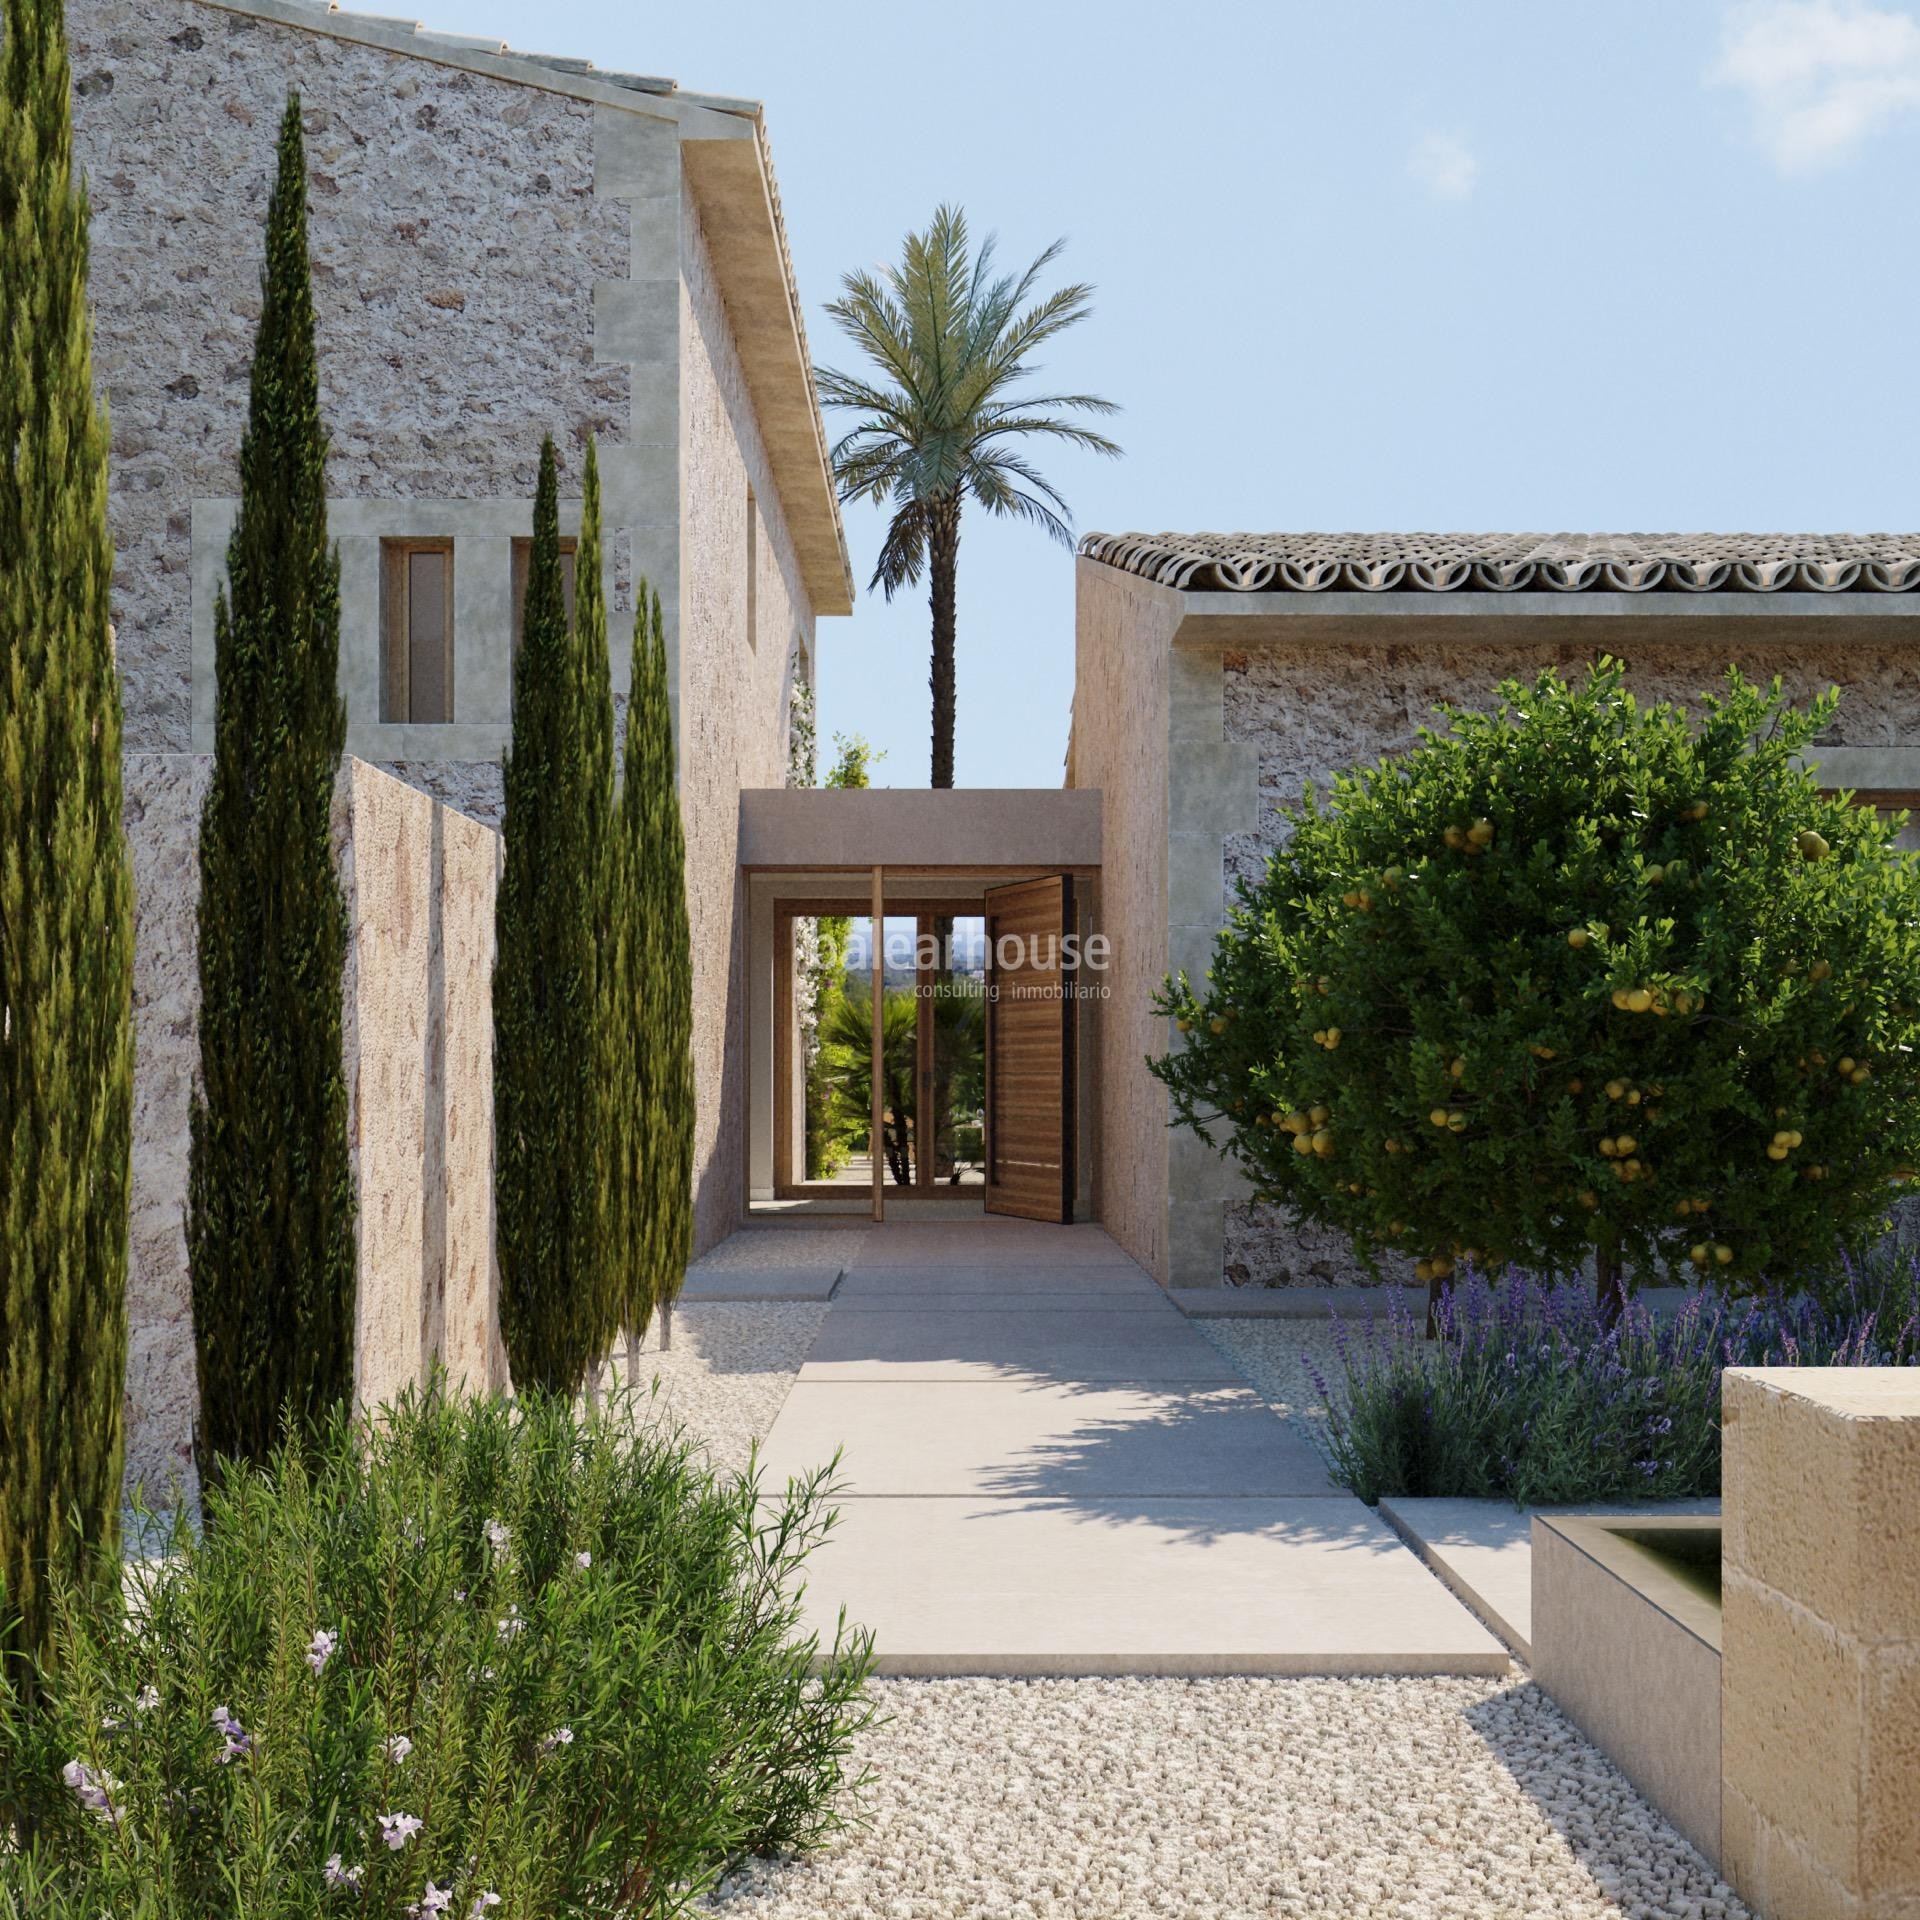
{"x":917,"y":1066}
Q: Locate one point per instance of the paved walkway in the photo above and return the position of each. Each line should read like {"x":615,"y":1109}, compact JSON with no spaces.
{"x":1047,"y":1469}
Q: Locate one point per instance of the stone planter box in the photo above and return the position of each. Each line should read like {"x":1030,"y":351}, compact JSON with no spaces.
{"x":1626,"y":1641}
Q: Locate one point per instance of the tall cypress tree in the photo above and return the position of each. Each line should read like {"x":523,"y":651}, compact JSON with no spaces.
{"x":551,"y":1106}
{"x":655,"y":850}
{"x":269,"y":1188}
{"x":66,"y":907}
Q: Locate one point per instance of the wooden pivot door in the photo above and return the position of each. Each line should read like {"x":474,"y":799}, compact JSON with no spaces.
{"x":1030,"y":1029}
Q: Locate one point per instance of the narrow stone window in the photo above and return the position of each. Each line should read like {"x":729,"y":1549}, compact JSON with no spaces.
{"x":522,"y":561}
{"x":416,"y":618}
{"x":753,"y":573}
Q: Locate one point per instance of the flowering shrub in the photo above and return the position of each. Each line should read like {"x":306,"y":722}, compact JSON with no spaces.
{"x":483,"y":1658}
{"x":1528,"y":1395}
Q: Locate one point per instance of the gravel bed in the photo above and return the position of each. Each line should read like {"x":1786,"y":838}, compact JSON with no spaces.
{"x":729,"y":1371}
{"x":1214,"y":1799}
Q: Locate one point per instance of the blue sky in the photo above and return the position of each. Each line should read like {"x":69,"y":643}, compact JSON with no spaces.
{"x":1643,"y":265}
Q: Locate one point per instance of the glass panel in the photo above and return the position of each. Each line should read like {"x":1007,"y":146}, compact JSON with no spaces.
{"x":957,"y":1008}
{"x":833,"y":1050}
{"x":427,"y":663}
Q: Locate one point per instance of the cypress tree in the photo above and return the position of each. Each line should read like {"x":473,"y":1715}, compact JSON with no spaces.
{"x":66,"y":915}
{"x":270,"y":1228}
{"x":655,"y":850}
{"x":552,"y":1156}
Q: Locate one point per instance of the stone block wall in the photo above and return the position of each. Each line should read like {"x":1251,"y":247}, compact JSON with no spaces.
{"x":420,"y":882}
{"x":1820,"y":1701}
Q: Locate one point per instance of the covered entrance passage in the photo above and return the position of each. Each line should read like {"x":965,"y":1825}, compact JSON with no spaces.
{"x":920,"y":1016}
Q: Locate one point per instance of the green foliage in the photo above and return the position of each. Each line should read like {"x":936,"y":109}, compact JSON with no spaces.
{"x":653,"y":851}
{"x":66,"y":908}
{"x":269,"y":1189}
{"x":945,"y":420}
{"x":554,"y":1116}
{"x":1575,"y":978}
{"x":835,"y":1123}
{"x":588,"y":1643}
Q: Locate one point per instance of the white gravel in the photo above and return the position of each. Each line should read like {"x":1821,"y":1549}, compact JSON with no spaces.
{"x":1214,"y":1799}
{"x":729,"y":1371}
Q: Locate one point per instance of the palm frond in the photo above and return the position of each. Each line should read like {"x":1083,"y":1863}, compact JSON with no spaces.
{"x":948,"y":338}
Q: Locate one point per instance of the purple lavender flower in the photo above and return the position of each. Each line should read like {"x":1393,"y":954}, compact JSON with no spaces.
{"x":396,"y":1829}
{"x":434,"y":1900}
{"x":239,"y":1742}
{"x":559,"y":1737}
{"x":320,"y":1649}
{"x":95,"y":1791}
{"x":336,"y":1875}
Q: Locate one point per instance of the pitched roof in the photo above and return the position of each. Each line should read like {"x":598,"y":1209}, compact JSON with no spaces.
{"x":1516,"y":562}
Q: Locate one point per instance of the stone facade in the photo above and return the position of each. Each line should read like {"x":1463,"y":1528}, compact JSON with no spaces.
{"x":1201,"y":713}
{"x":501,"y":250}
{"x":457,"y":241}
{"x":746,"y":632}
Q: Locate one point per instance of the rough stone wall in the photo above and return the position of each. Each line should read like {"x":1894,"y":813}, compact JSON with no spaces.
{"x":1316,"y":710}
{"x":734,"y":698}
{"x":1120,"y":745}
{"x":456,"y":242}
{"x":420,"y":881}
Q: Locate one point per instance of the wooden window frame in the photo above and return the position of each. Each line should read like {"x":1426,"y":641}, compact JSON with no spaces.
{"x":396,"y":632}
{"x":522,"y":566}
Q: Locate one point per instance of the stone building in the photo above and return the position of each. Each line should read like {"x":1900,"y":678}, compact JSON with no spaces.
{"x":504,"y":246}
{"x":1218,"y":674}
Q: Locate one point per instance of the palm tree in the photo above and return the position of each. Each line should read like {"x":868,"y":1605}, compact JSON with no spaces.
{"x":951,"y":340}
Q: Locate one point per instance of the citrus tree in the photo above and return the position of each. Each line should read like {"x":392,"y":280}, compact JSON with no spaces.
{"x":1574,"y":980}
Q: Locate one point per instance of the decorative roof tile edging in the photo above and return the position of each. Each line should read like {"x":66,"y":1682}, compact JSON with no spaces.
{"x":1515,"y":562}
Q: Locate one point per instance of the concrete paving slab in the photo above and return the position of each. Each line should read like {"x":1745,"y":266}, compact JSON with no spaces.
{"x":1008,"y":1342}
{"x":1202,"y":1586}
{"x":984,"y":1242}
{"x":1043,"y":1440}
{"x":872,"y":1286}
{"x":764,"y":1283}
{"x":1483,"y":1550}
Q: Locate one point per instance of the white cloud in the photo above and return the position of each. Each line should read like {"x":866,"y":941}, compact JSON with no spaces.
{"x":1444,"y":165}
{"x":1820,"y":76}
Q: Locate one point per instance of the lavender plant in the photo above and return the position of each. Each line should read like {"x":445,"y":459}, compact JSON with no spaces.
{"x":1529,"y":1394}
{"x":478,"y":1659}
